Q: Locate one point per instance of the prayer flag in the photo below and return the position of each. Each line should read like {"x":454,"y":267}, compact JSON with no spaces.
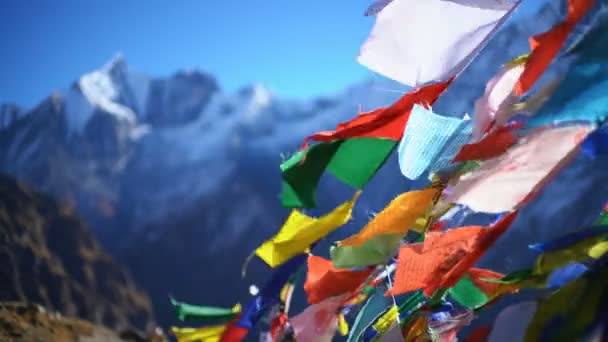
{"x":417,"y":42}
{"x":300,"y":231}
{"x":424,"y":139}
{"x":324,"y":281}
{"x":502,"y":183}
{"x":545,"y":46}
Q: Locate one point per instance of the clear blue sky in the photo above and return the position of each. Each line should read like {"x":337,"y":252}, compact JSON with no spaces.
{"x":297,"y":48}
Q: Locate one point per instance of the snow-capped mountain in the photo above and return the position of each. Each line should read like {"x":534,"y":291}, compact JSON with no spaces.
{"x":180,"y":179}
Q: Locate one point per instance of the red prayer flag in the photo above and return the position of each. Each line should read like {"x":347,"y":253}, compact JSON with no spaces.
{"x":491,"y":146}
{"x":438,"y":226}
{"x":545,"y":46}
{"x":324,"y":281}
{"x":233,"y":332}
{"x":387,"y":122}
{"x":277,"y":325}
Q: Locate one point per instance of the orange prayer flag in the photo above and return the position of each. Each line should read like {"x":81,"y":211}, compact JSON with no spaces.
{"x":545,"y":46}
{"x":324,"y":281}
{"x":418,"y":262}
{"x":397,"y":218}
{"x":443,"y":258}
{"x":481,"y":244}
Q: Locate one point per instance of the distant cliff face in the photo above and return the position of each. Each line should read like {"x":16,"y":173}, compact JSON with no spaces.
{"x":48,"y":256}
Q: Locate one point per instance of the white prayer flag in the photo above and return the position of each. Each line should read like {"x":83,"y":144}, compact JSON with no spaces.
{"x":420,"y":41}
{"x":502,"y":183}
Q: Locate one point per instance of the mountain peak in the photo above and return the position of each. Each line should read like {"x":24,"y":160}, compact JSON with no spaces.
{"x":118,"y":62}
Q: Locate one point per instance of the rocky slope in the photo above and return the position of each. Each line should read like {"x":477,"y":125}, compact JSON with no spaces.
{"x":20,"y":322}
{"x":48,"y":256}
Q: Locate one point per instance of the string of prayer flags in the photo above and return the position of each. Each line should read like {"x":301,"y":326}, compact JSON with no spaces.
{"x":443,"y":258}
{"x":502,"y":183}
{"x":188,"y":312}
{"x":425,"y":136}
{"x":318,"y":322}
{"x":545,"y":46}
{"x":402,"y":47}
{"x":300,"y":231}
{"x":494,"y":107}
{"x":205,"y":334}
{"x":495,"y":163}
{"x":324,"y":281}
{"x":354,"y":152}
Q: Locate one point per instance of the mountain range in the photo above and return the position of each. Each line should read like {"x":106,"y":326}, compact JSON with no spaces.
{"x":180,"y":180}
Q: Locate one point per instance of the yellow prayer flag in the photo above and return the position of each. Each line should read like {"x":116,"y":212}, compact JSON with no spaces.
{"x":300,"y":231}
{"x":386,"y":321}
{"x":206,"y":334}
{"x":342,"y":325}
{"x":592,"y":248}
{"x":598,"y":250}
{"x":397,"y":218}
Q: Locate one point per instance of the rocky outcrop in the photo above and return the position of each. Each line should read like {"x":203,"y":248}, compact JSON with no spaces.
{"x":48,"y":256}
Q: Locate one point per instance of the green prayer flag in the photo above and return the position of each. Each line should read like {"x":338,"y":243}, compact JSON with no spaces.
{"x":188,"y":312}
{"x":373,"y":252}
{"x":357,"y":160}
{"x":353,"y":161}
{"x":467,"y":294}
{"x":302,"y":172}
